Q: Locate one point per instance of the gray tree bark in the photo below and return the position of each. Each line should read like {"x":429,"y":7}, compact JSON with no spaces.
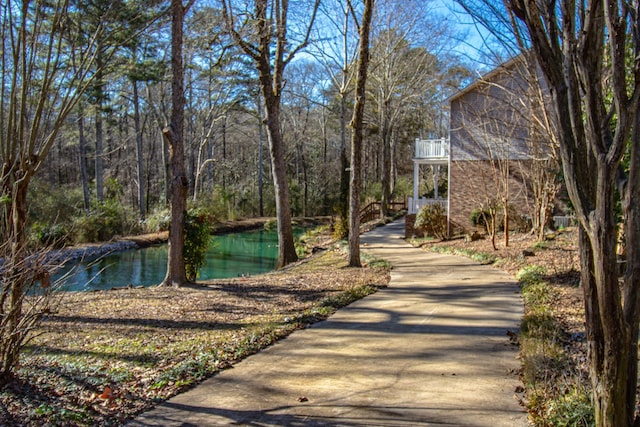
{"x":139,"y":152}
{"x":83,"y":160}
{"x":99,"y":131}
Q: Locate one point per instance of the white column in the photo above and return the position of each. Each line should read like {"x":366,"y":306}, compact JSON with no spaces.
{"x":416,"y":183}
{"x":436,"y":173}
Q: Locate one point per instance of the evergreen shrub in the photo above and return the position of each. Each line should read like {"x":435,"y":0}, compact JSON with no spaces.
{"x":196,"y":241}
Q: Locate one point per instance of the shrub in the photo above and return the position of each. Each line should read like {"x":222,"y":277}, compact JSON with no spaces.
{"x":56,"y":235}
{"x":197,"y":236}
{"x":26,"y":279}
{"x":157,"y":221}
{"x":572,"y":409}
{"x":478,"y":217}
{"x":404,"y":187}
{"x":432,"y":221}
{"x":228,"y":204}
{"x":49,"y":203}
{"x":340,"y":228}
{"x":271,"y":225}
{"x":373,"y":192}
{"x":105,"y":221}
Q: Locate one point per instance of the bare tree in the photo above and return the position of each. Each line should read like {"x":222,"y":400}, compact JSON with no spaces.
{"x":82,"y":143}
{"x":542,"y":147}
{"x":590,"y":55}
{"x":140,"y":71}
{"x":357,"y":135}
{"x":400,"y":77}
{"x":408,"y":38}
{"x":262,"y":28}
{"x":337,"y":55}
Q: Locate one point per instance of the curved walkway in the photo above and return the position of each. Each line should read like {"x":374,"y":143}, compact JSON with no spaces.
{"x":430,"y":350}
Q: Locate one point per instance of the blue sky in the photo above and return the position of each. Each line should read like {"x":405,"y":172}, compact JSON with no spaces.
{"x":470,"y":36}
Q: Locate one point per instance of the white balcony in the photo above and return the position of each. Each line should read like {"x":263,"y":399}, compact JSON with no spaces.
{"x":432,"y":150}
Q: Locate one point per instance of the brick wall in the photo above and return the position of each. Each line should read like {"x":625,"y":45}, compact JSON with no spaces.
{"x":409,"y":221}
{"x":472,"y":182}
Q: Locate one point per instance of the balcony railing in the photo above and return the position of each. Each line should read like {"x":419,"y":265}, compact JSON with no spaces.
{"x":432,"y":148}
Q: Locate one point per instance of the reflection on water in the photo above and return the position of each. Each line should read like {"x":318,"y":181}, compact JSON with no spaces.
{"x":229,"y":255}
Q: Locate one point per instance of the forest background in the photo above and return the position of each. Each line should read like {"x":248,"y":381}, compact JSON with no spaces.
{"x":106,"y":173}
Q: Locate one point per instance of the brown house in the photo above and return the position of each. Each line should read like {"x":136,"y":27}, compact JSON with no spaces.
{"x":494,"y":140}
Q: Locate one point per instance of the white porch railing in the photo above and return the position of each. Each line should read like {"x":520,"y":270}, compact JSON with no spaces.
{"x":414,"y":205}
{"x":432,"y":148}
{"x":564,"y":221}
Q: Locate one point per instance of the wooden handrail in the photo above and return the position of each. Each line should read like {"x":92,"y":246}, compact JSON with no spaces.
{"x":372,"y":210}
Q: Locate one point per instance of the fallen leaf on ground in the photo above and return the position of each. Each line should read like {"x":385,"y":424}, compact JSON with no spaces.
{"x":107,"y":393}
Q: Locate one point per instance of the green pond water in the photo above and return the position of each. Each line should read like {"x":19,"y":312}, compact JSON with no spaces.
{"x":229,"y":255}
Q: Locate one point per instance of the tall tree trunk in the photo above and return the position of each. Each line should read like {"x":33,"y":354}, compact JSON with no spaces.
{"x":166,"y":169}
{"x":83,"y":160}
{"x":99,"y":168}
{"x":505,"y":212}
{"x":139,"y":153}
{"x":99,"y":87}
{"x":224,"y":153}
{"x":301,"y":168}
{"x":286,"y":248}
{"x":99,"y":160}
{"x":17,"y":254}
{"x":260,"y":160}
{"x":271,"y":82}
{"x":271,"y":54}
{"x":357,"y":136}
{"x":596,"y":120}
{"x":174,"y":133}
{"x":209,"y":185}
{"x":631,"y":208}
{"x":386,"y":162}
{"x":608,"y":336}
{"x":394,"y":165}
{"x":325,"y":144}
{"x":345,"y":172}
{"x":343,"y":202}
{"x":505,"y":172}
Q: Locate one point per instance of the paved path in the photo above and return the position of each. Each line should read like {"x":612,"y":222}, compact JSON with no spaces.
{"x":429,"y":350}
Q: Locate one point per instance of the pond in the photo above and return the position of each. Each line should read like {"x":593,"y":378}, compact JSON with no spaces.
{"x":229,"y":255}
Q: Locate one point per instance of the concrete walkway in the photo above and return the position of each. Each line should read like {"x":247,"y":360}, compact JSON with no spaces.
{"x":429,"y":350}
